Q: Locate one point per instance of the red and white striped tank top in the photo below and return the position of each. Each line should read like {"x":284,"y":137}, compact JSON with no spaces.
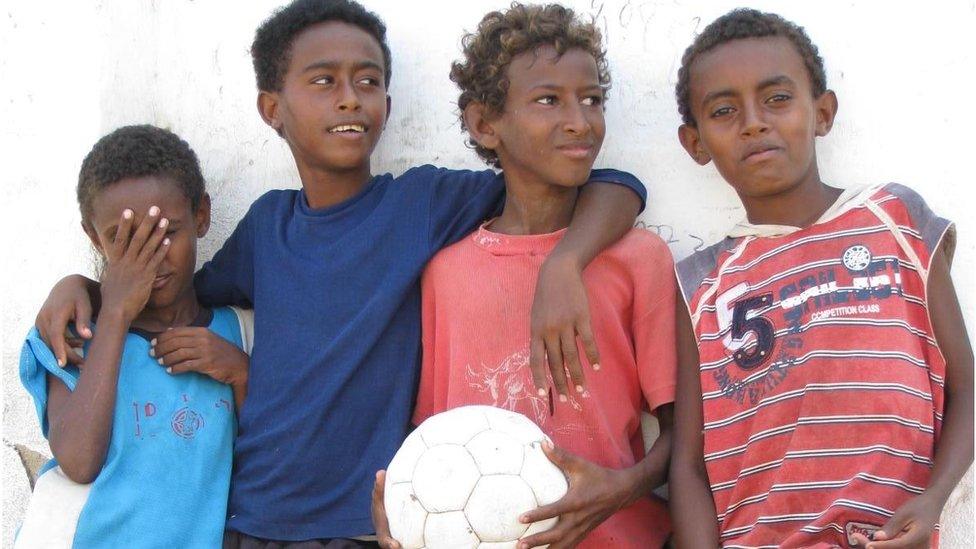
{"x":821,"y":379}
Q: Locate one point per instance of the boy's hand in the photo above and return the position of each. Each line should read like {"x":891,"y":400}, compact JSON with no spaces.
{"x":380,"y":523}
{"x":560,"y":313}
{"x":909,"y":528}
{"x":133,"y":261}
{"x":67,"y":302}
{"x":594,"y":494}
{"x":195,"y":349}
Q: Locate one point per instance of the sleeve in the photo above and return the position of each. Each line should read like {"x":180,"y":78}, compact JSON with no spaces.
{"x":36,"y":362}
{"x":935,"y":231}
{"x":462,"y":199}
{"x":655,"y":337}
{"x":426,"y":404}
{"x":621,"y":178}
{"x":228,"y":278}
{"x":459,"y":201}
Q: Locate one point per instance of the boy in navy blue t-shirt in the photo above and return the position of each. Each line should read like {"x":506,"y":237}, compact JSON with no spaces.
{"x":332,"y":271}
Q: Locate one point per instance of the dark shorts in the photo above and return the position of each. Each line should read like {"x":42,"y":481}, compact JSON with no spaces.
{"x":237,"y":540}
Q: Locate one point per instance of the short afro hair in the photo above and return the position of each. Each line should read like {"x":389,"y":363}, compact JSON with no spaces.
{"x":501,"y":36}
{"x":271,"y":49}
{"x":747,"y":23}
{"x":139,"y":151}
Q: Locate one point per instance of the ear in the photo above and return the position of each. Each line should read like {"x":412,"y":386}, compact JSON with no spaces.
{"x":691,"y":141}
{"x":479,"y":125}
{"x":268,"y":109}
{"x":202,"y":217}
{"x":389,"y":106}
{"x":826,"y":106}
{"x":93,"y":237}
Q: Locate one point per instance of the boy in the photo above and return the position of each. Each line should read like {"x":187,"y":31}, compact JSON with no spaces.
{"x":832,"y":362}
{"x":140,"y":440}
{"x":545,"y":129}
{"x":332,"y":272}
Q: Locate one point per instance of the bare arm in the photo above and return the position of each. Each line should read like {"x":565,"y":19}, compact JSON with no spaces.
{"x":72,"y":299}
{"x":913,"y":522}
{"x":81,"y":420}
{"x":692,"y":507}
{"x":560,"y":310}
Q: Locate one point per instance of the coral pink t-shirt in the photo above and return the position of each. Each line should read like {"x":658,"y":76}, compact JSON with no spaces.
{"x":477,"y":298}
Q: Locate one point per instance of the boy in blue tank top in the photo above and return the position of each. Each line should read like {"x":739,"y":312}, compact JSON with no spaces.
{"x":155,"y":443}
{"x":332,"y":272}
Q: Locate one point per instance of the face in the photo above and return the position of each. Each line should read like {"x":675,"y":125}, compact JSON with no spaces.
{"x":756,"y":116}
{"x":552,"y":125}
{"x":333,"y":103}
{"x":174,"y":280}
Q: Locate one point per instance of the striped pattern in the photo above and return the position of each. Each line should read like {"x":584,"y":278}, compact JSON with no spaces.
{"x":838,"y":424}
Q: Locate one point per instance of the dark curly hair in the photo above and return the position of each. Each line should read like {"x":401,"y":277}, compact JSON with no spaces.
{"x":271,"y":49}
{"x":501,"y":36}
{"x":139,"y":151}
{"x":747,"y":23}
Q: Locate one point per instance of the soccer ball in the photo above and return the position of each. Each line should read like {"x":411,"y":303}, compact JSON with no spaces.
{"x":463,"y":477}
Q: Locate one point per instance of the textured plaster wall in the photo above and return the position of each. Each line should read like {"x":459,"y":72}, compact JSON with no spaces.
{"x":72,"y":71}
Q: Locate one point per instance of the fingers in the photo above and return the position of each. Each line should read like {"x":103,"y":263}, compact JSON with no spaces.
{"x":555,"y":357}
{"x":83,"y":314}
{"x":571,"y":358}
{"x":121,"y":239}
{"x":380,"y":521}
{"x":159,"y":255}
{"x":177,"y":338}
{"x":537,"y":364}
{"x":589,"y":343}
{"x":154,"y":242}
{"x":181,"y":360}
{"x":55,"y":332}
{"x":549,"y":537}
{"x":142,"y":233}
{"x":914,"y":537}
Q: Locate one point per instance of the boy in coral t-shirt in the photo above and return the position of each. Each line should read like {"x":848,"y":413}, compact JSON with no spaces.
{"x":545,"y":132}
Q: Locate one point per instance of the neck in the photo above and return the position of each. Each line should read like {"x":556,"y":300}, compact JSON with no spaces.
{"x":179,"y":313}
{"x":324,"y":188}
{"x":535,"y":208}
{"x":799,"y":206}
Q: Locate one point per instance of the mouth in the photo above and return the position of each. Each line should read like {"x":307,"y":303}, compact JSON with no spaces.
{"x":576,"y":151}
{"x":348,"y":129}
{"x":761,"y":152}
{"x":161,"y":280}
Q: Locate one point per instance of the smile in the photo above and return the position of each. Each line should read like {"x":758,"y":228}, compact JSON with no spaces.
{"x":348,"y":128}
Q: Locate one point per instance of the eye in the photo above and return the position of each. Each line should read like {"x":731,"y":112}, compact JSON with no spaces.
{"x":546,"y":100}
{"x":593,"y":101}
{"x":370,"y":81}
{"x":779,"y":98}
{"x":322,"y":80}
{"x":722,"y":111}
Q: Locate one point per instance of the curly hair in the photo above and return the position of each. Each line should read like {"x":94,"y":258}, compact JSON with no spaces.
{"x":139,"y":151}
{"x":501,"y":36}
{"x":271,"y":49}
{"x":747,"y":23}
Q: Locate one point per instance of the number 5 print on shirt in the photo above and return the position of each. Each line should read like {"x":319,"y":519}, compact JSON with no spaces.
{"x":741,"y":319}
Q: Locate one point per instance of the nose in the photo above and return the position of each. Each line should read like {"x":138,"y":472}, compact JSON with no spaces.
{"x":348,"y":99}
{"x":575,"y":121}
{"x":753,"y":121}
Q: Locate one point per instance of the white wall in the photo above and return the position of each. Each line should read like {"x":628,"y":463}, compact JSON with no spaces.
{"x":70,"y":72}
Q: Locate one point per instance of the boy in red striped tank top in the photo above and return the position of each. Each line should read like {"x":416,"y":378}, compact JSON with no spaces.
{"x":825,"y":385}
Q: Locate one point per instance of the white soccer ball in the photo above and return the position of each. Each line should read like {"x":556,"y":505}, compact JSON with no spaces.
{"x":463,"y":477}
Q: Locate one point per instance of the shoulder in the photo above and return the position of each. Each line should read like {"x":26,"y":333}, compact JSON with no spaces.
{"x":272,"y":203}
{"x":642,"y":246}
{"x":908,"y":208}
{"x":450,"y":259}
{"x":692,"y":270}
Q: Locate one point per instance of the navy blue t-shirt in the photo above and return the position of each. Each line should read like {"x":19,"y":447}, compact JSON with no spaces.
{"x":336,"y":352}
